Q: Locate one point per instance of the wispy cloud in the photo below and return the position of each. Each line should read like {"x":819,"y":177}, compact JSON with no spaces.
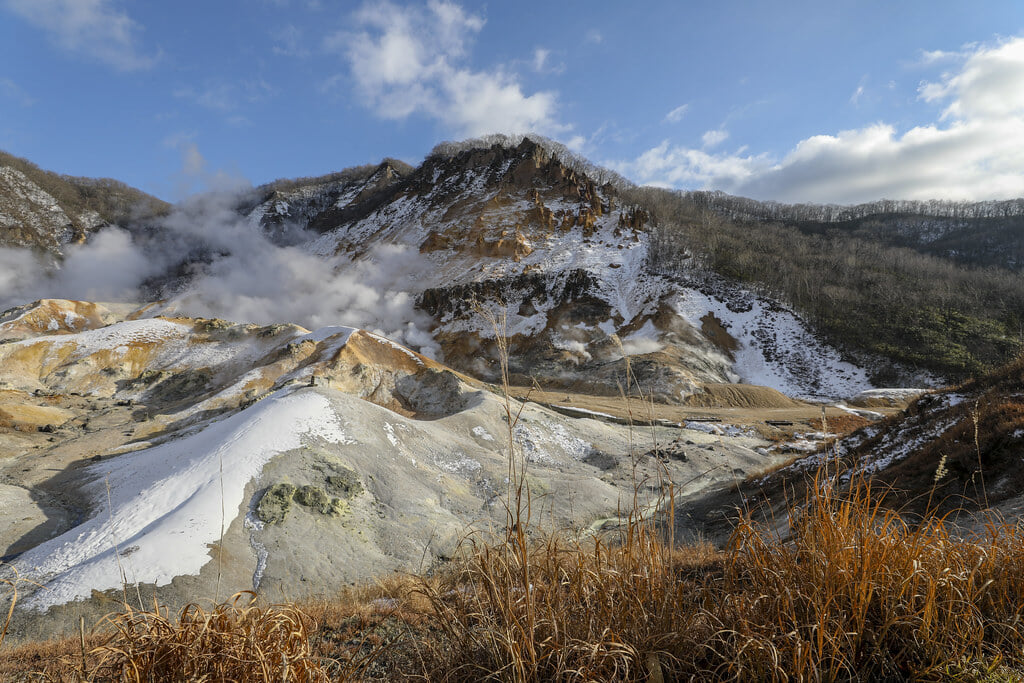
{"x":540,"y":58}
{"x":289,"y":42}
{"x":542,"y":62}
{"x":14,"y":92}
{"x":859,"y":92}
{"x":713,"y":138}
{"x":408,"y":60}
{"x":94,"y":28}
{"x":973,"y":150}
{"x":225,"y":97}
{"x":677,"y":114}
{"x":930,"y":57}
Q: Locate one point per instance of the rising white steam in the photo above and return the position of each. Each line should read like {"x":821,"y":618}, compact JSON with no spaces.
{"x":207,"y":259}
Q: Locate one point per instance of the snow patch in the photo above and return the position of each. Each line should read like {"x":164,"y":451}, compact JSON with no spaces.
{"x":482,"y":433}
{"x":542,"y":442}
{"x":775,"y":349}
{"x":890,"y":393}
{"x":584,"y":411}
{"x":165,"y":501}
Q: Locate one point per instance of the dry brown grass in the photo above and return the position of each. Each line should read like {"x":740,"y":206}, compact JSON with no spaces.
{"x":849,"y":592}
{"x":234,"y":641}
{"x":855,"y":594}
{"x":840,"y":425}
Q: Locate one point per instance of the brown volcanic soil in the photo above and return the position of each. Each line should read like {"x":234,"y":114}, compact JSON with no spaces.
{"x":742,"y":405}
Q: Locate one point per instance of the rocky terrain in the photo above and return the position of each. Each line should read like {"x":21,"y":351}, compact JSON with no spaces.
{"x":512,"y":240}
{"x":186,"y":455}
{"x":193,"y":439}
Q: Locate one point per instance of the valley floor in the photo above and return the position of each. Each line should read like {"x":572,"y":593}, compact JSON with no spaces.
{"x":743,"y":409}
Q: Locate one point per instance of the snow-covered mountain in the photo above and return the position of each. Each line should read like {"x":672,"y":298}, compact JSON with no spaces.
{"x":512,"y":241}
{"x":296,"y":389}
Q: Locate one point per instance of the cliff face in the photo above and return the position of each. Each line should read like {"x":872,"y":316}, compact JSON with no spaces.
{"x":30,"y":216}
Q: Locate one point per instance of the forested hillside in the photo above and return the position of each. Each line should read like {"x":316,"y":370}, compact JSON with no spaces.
{"x":113,"y":200}
{"x":978,"y":234}
{"x":866,"y":289}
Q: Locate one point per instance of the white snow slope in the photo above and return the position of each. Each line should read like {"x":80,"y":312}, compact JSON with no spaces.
{"x":165,"y":502}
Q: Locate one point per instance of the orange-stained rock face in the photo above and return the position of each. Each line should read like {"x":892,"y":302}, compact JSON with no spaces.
{"x":212,"y":365}
{"x":511,"y":245}
{"x":53,"y":316}
{"x":435,"y":242}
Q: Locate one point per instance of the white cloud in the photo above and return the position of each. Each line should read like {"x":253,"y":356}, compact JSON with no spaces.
{"x":855,"y":97}
{"x":713,"y":138}
{"x":289,"y":42}
{"x":96,"y":28}
{"x":407,"y":61}
{"x":576,"y":143}
{"x":930,"y":57}
{"x":594,"y":36}
{"x":540,"y":58}
{"x":670,"y":166}
{"x":973,"y":151}
{"x":677,"y":114}
{"x":990,"y":86}
{"x":542,"y":63}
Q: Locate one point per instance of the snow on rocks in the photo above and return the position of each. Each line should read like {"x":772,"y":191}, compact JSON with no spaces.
{"x":122,"y":335}
{"x":775,"y":347}
{"x":859,"y":412}
{"x":165,"y":502}
{"x":895,"y":394}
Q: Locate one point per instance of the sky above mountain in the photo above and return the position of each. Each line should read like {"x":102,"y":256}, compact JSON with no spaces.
{"x":844,"y":101}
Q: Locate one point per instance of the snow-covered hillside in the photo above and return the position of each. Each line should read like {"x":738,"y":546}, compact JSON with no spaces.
{"x":510,"y":241}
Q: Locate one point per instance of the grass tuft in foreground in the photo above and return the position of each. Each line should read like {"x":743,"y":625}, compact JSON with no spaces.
{"x":854,"y":593}
{"x":234,"y":641}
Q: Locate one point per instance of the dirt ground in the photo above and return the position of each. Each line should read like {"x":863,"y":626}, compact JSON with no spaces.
{"x":740,"y":405}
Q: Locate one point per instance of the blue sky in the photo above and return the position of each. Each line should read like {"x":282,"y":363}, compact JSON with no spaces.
{"x":836,"y":101}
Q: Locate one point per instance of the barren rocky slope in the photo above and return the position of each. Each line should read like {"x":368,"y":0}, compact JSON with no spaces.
{"x":189,"y":455}
{"x":145,"y":448}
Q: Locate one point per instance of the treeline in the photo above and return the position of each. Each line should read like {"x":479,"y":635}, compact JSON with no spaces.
{"x":917,"y":309}
{"x":976,"y":234}
{"x":742,"y":208}
{"x":113,"y":200}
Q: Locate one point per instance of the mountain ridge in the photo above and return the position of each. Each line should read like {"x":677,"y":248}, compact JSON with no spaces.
{"x":46,"y":210}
